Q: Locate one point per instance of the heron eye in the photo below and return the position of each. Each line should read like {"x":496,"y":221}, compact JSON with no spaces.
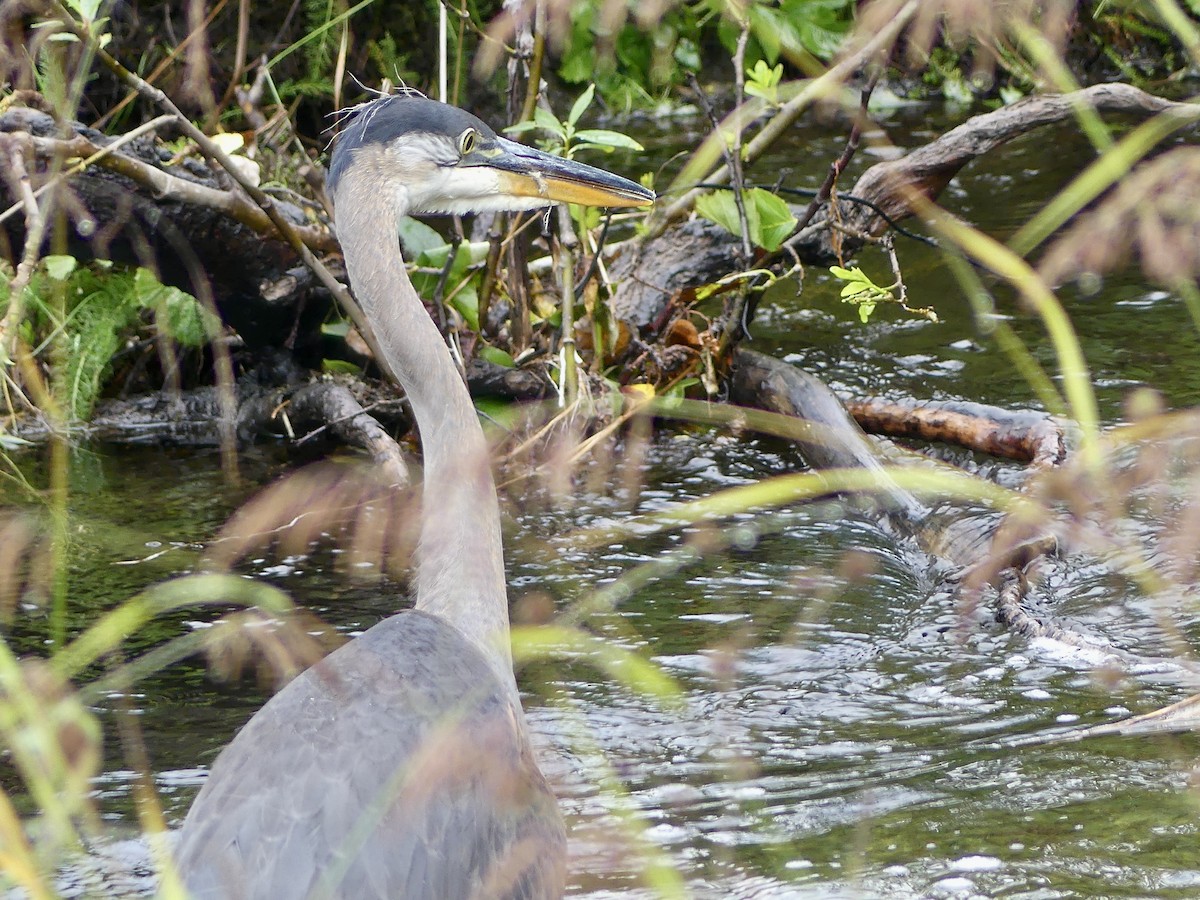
{"x":467,"y":141}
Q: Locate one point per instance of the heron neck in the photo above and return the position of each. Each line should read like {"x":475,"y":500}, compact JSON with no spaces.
{"x":460,"y":563}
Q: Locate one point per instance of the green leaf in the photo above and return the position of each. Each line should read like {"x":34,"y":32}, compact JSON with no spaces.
{"x":179,"y":314}
{"x":818,"y":26}
{"x":768,"y":218}
{"x":721,"y":208}
{"x":476,"y":251}
{"x":607,"y":139}
{"x":496,"y":356}
{"x":763,"y":81}
{"x":857,"y":281}
{"x":59,"y":267}
{"x":418,"y":238}
{"x":581,"y":104}
{"x":754,"y":90}
{"x":768,"y":30}
{"x":774,"y":216}
{"x":340,"y":367}
{"x":522,"y":127}
{"x":864,"y":293}
{"x":466,"y":302}
{"x":546,"y":121}
{"x":336,"y":329}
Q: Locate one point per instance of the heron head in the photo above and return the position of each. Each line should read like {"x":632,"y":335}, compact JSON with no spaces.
{"x":441,"y":159}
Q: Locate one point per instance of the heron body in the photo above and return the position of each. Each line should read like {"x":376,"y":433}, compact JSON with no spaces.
{"x":400,"y":766}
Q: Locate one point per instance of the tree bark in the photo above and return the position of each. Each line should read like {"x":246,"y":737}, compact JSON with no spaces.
{"x":1022,"y":435}
{"x":182,"y":221}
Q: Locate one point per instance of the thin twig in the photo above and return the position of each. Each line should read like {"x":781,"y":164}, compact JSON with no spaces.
{"x":35,"y":231}
{"x":490,"y":270}
{"x":566,"y":265}
{"x":889,"y":245}
{"x":536,"y":56}
{"x":839,"y":165}
{"x":439,"y":291}
{"x":594,"y":265}
{"x":731,"y":160}
{"x":733,"y":157}
{"x":346,"y":418}
{"x":739,"y":312}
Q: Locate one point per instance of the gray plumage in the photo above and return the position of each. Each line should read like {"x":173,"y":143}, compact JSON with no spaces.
{"x":384,"y":120}
{"x":409,"y":718}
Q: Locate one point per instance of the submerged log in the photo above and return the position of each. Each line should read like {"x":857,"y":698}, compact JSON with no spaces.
{"x":762,"y":382}
{"x":299,"y":412}
{"x":975,"y":541}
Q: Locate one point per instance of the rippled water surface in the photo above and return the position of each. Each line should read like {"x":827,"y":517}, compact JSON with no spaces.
{"x":848,"y":721}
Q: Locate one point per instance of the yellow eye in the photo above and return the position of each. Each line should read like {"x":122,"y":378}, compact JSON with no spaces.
{"x":467,"y":140}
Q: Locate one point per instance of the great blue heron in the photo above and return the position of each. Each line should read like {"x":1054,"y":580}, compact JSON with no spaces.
{"x":400,"y":765}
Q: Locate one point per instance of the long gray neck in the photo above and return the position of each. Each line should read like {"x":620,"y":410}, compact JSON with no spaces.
{"x":460,"y":563}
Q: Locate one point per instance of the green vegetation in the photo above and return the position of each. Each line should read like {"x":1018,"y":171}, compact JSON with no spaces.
{"x":80,"y":317}
{"x":768,"y":217}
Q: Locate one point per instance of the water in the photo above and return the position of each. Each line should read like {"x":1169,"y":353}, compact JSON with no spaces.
{"x":847,"y":715}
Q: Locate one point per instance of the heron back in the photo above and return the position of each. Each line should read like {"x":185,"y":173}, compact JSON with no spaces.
{"x":398,"y":766}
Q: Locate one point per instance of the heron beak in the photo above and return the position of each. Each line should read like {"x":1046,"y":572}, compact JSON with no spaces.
{"x":528,"y":172}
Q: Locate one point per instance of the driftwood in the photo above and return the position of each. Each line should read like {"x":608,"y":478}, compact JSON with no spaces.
{"x":1021,"y":435}
{"x":892,"y":186}
{"x":655,"y":276}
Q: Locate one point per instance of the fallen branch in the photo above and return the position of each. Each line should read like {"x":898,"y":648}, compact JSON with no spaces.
{"x":1025,"y":436}
{"x":328,"y":407}
{"x":891,"y":186}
